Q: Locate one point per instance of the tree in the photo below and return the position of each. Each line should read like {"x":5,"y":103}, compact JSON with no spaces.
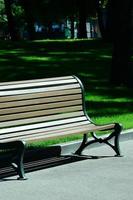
{"x":3,"y":20}
{"x":86,"y":8}
{"x":29,"y":7}
{"x":82,"y":31}
{"x":104,"y":18}
{"x":2,"y":12}
{"x":10,"y":19}
{"x":122,"y":26}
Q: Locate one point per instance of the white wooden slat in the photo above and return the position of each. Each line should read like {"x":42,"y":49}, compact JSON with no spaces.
{"x":23,"y":115}
{"x":69,"y":131}
{"x":39,"y":101}
{"x":40,"y":107}
{"x":64,"y":132}
{"x":40,"y":119}
{"x":48,"y":135}
{"x":35,"y":80}
{"x":83,"y":129}
{"x":29,"y":91}
{"x":43,"y":130}
{"x":40,"y":125}
{"x":40,"y":95}
{"x":38,"y":84}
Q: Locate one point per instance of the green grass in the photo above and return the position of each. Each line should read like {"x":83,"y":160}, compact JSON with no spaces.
{"x":90,"y":60}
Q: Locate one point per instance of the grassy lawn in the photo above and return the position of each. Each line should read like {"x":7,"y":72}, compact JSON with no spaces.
{"x":90,"y":60}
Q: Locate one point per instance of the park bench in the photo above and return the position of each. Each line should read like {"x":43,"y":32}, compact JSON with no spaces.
{"x":42,"y":109}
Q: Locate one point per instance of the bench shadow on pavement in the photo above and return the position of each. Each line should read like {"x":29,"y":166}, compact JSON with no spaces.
{"x":42,"y":158}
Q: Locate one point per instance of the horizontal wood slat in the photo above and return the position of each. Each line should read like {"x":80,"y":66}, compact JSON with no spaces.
{"x":70,"y":131}
{"x":41,"y":130}
{"x":40,"y":101}
{"x":22,"y":115}
{"x":40,"y":125}
{"x":38,"y":84}
{"x":50,"y":94}
{"x":37,"y":90}
{"x":41,"y":107}
{"x":36,"y":80}
{"x":86,"y":128}
{"x":40,"y":119}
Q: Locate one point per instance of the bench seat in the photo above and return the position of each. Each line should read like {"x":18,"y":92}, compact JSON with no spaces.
{"x":48,"y":108}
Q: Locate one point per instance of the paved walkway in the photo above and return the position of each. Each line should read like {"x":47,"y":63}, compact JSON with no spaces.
{"x":108,"y":178}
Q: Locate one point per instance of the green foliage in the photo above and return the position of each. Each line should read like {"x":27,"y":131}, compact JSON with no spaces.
{"x":103,"y":3}
{"x":18,"y":13}
{"x":17,"y":10}
{"x":2,"y":12}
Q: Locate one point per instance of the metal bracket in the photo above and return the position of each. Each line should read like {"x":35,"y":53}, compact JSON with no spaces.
{"x":115,"y":134}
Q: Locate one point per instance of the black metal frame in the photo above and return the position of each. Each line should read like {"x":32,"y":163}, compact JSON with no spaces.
{"x":115,"y":134}
{"x":16,"y":161}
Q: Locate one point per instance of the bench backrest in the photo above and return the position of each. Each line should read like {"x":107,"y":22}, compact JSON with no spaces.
{"x":29,"y":106}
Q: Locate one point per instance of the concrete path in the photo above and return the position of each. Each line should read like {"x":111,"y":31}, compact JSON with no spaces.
{"x":106,"y":178}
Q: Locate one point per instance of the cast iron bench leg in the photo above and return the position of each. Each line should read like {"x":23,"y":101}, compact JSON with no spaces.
{"x":115,"y":146}
{"x":18,"y":148}
{"x":17,"y":163}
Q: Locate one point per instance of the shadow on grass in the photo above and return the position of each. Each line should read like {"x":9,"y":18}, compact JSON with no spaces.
{"x":100,"y":109}
{"x":29,"y":60}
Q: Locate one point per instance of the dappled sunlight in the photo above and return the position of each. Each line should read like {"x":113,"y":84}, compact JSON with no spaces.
{"x":35,"y":58}
{"x":108,"y":99}
{"x":3,"y":59}
{"x":15,"y":51}
{"x":89,"y":75}
{"x":105,"y":56}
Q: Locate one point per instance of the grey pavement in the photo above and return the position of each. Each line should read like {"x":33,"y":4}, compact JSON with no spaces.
{"x":106,"y":178}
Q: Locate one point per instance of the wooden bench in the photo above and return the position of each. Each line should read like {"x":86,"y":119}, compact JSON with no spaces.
{"x":44,"y":109}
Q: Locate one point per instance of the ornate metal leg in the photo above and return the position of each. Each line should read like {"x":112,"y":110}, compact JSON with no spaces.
{"x":115,"y":146}
{"x":116,"y":135}
{"x":17,"y":152}
{"x":82,"y":146}
{"x":17,"y":163}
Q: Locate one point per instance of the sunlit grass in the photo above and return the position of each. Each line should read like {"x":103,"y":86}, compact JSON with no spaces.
{"x":35,"y":58}
{"x":105,"y":98}
{"x":124,"y":119}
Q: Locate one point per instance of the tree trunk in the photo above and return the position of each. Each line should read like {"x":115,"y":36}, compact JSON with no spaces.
{"x":121,"y":70}
{"x":10,"y":20}
{"x":105,"y":21}
{"x":82,"y":32}
{"x":29,"y":19}
{"x":72,"y":26}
